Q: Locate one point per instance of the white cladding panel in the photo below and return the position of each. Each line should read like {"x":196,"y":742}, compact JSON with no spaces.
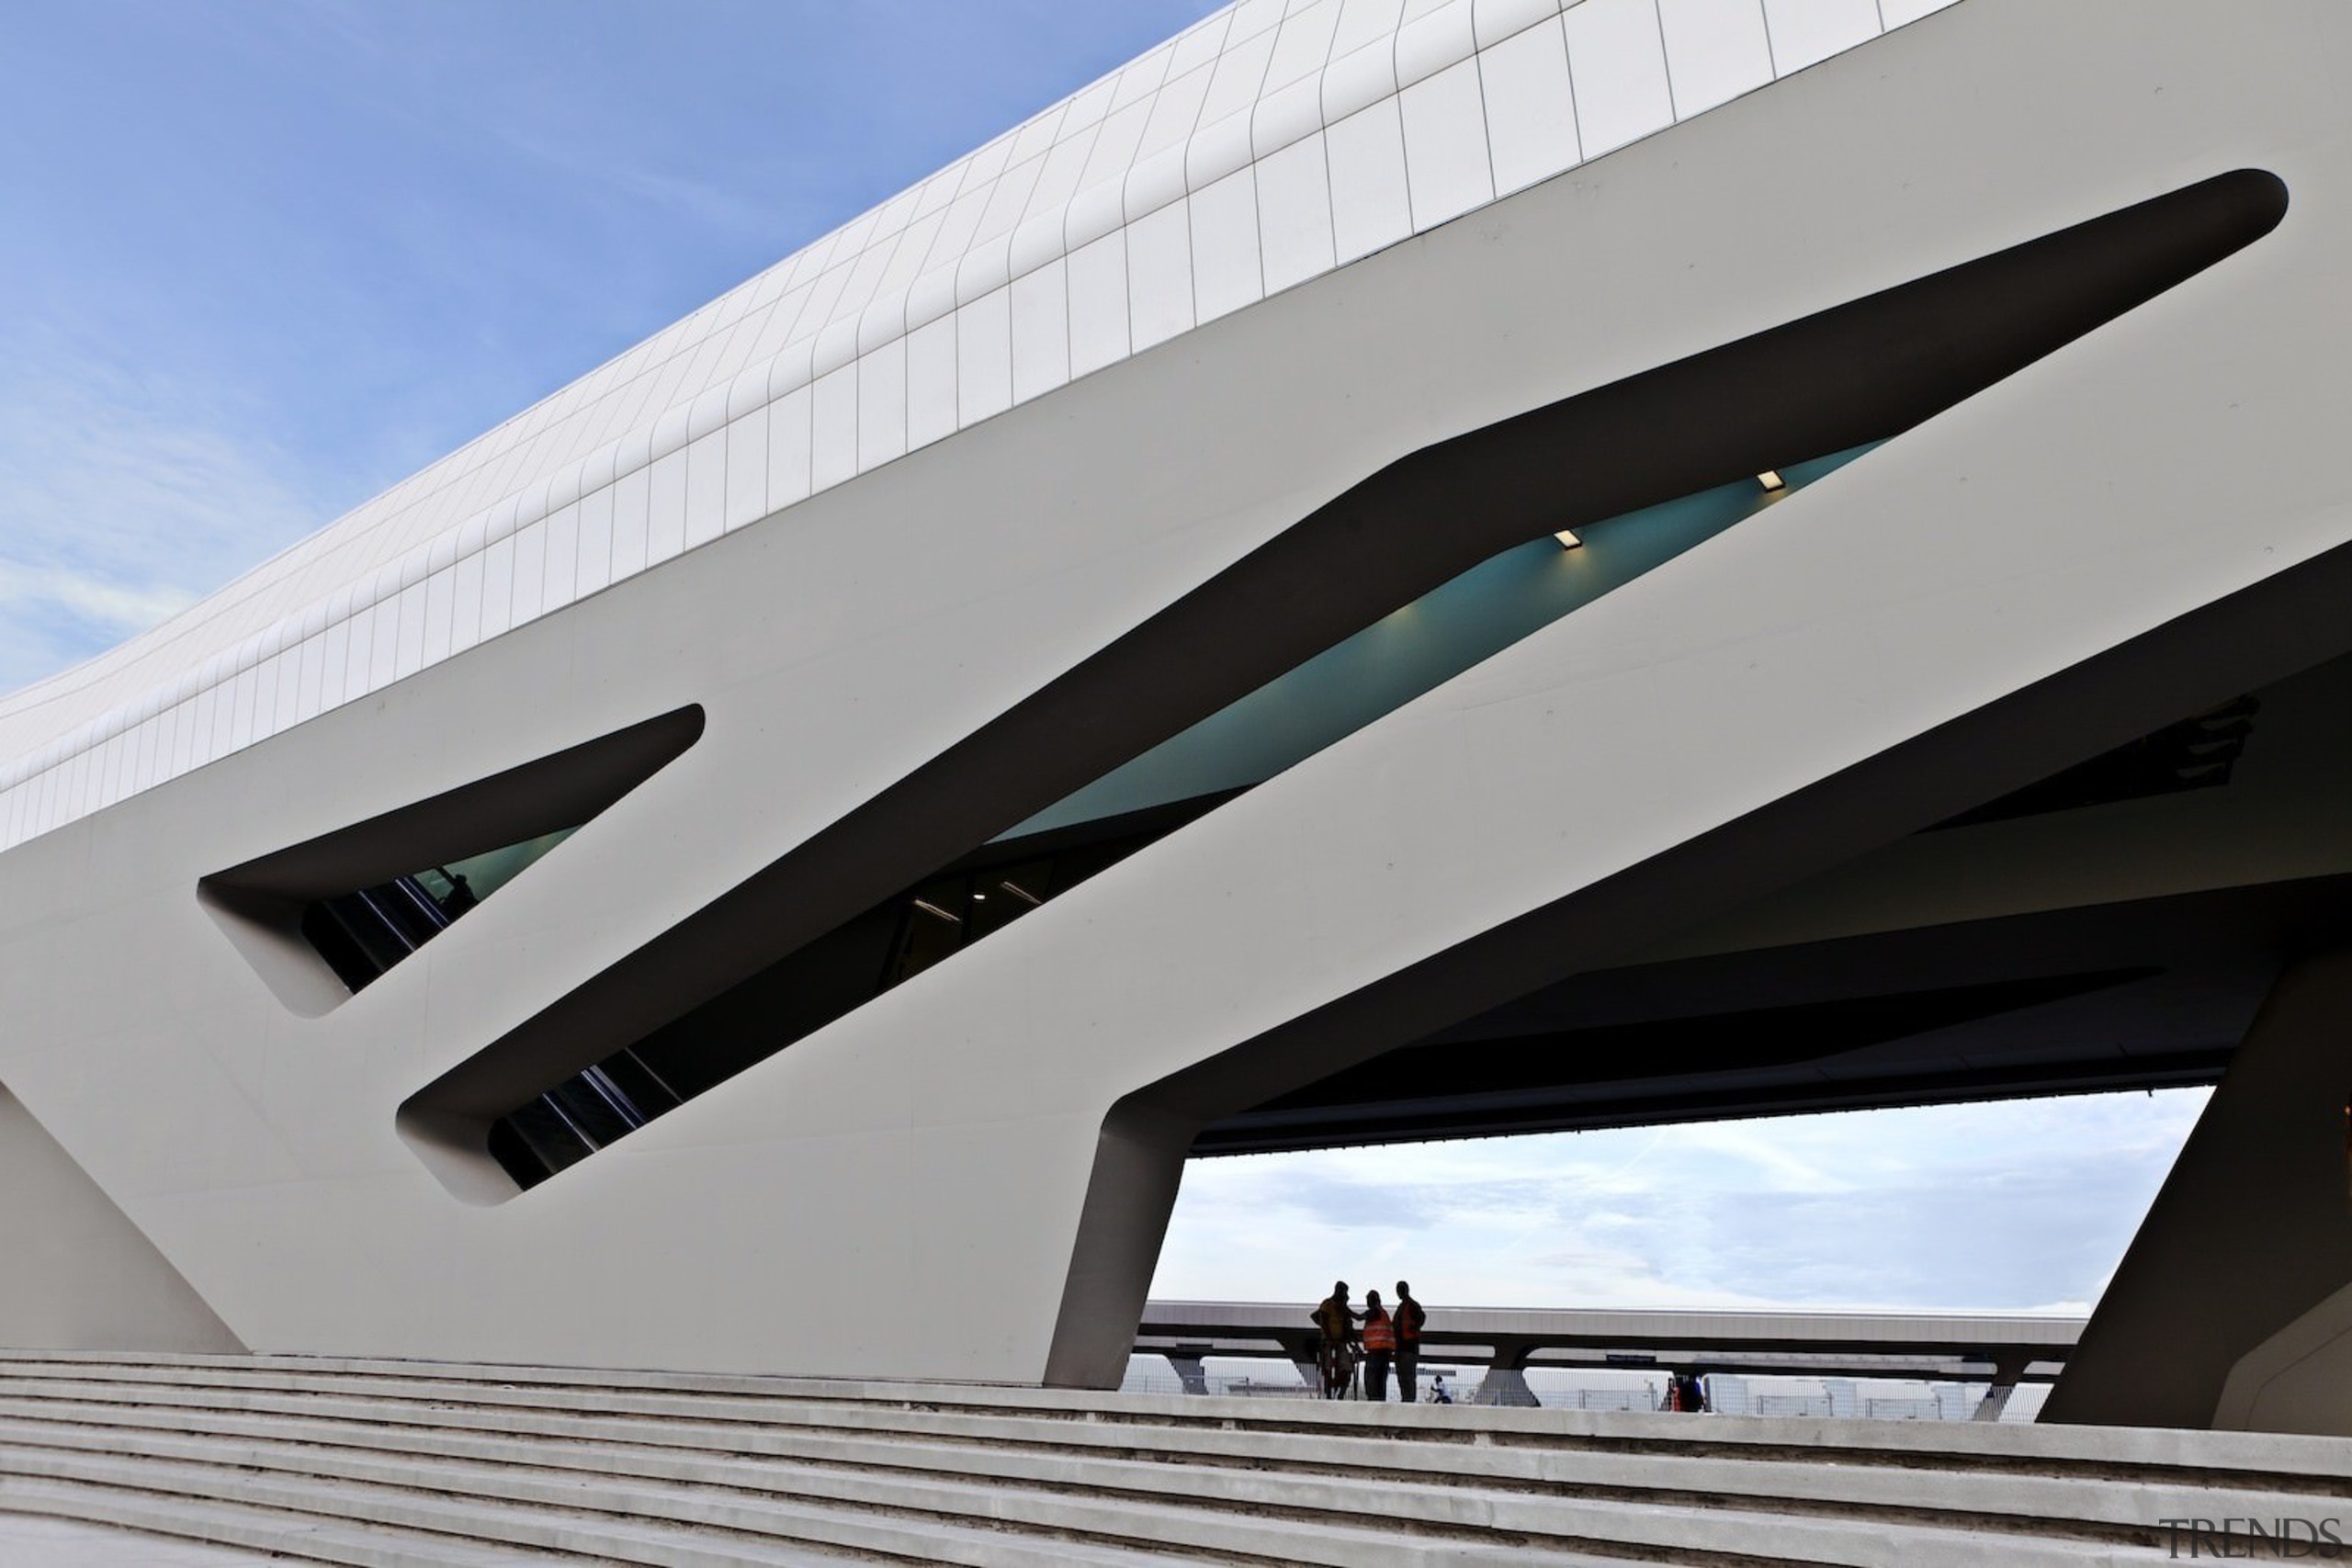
{"x":1112,"y":221}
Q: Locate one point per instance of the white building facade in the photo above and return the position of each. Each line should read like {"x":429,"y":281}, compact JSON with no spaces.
{"x":564,"y":910}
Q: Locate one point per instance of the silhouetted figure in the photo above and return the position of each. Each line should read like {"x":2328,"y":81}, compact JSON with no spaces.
{"x":1686,"y":1393}
{"x":460,"y":897}
{"x":1438,"y":1392}
{"x":1379,"y":1346}
{"x":1409,"y":1317}
{"x":1338,"y":1323}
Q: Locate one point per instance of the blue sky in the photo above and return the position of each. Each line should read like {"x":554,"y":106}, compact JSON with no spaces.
{"x":262,"y":260}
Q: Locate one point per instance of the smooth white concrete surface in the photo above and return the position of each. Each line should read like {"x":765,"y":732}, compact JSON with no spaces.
{"x":902,"y":1192}
{"x":78,"y":1272}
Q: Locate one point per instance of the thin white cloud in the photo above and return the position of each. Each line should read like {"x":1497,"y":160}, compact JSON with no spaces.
{"x":2019,"y":1206}
{"x":122,"y":500}
{"x":1771,"y":1162}
{"x":98,"y":599}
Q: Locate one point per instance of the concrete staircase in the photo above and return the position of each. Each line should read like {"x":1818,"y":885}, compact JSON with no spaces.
{"x":388,"y":1464}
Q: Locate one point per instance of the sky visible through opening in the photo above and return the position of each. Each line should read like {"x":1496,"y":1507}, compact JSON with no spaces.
{"x":2012,"y":1206}
{"x":263,"y":261}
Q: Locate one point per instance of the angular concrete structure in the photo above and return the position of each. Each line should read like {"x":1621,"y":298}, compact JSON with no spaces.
{"x":529,"y":921}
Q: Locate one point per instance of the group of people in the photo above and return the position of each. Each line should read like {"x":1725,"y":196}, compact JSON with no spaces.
{"x":1379,"y":1338}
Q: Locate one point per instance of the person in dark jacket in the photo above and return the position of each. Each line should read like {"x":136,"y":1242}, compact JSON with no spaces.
{"x":1687,"y":1394}
{"x":1409,"y":1317}
{"x":1338,"y":1322}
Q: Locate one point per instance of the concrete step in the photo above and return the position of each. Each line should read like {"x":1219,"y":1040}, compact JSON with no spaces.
{"x":1287,"y":1473}
{"x":693,"y":1470}
{"x":577,"y":1528}
{"x":2264,"y":1459}
{"x":1267,"y":1517}
{"x":1153,"y":1460}
{"x":768,"y":1499}
{"x":300,"y":1537}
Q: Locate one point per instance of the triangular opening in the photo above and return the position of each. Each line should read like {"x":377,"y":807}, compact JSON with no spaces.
{"x":322,"y":920}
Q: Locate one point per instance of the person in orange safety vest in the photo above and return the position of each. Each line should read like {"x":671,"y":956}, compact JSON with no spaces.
{"x":1379,"y":1336}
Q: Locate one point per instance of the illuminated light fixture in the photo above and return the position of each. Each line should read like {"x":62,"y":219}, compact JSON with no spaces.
{"x":928,"y":908}
{"x":1568,"y":541}
{"x":1021,"y":893}
{"x":1771,"y":479}
{"x":979,"y":896}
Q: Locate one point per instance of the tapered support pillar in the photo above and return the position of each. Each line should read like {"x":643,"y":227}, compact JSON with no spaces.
{"x":2249,"y":1239}
{"x":1506,"y":1379}
{"x":2005,"y":1374}
{"x":1189,"y":1372}
{"x":1506,"y":1385}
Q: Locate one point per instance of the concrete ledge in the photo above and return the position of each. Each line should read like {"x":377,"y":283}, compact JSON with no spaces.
{"x":1308,"y":1471}
{"x":2254,"y":1452}
{"x":369,"y":1461}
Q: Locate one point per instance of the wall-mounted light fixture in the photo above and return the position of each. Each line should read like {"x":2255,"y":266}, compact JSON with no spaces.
{"x":1771,"y":481}
{"x":1568,"y":541}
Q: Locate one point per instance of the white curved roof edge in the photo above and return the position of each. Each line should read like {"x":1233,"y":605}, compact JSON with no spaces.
{"x":1273,"y":142}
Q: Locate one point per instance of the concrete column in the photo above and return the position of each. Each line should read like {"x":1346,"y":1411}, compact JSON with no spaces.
{"x":2251,"y":1231}
{"x":1506,"y":1379}
{"x":1505,"y":1386}
{"x":1189,"y":1373}
{"x":2006,"y":1370}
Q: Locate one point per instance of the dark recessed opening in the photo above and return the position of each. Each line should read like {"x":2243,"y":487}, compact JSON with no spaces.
{"x":880,"y":947}
{"x":323,"y":920}
{"x":2195,"y":753}
{"x":364,"y":932}
{"x":1843,"y":378}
